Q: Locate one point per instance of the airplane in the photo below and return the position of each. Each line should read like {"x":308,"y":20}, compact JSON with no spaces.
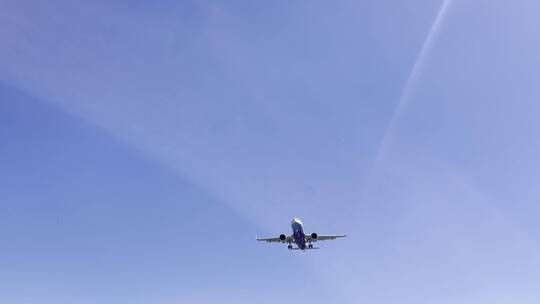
{"x":300,"y":238}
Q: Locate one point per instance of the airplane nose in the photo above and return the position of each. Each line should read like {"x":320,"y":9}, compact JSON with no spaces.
{"x":296,"y":220}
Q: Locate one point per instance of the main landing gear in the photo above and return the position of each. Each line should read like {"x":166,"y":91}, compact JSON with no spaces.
{"x":290,"y":246}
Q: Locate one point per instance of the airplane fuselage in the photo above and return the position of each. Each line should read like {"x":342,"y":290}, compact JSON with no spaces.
{"x":298,"y":234}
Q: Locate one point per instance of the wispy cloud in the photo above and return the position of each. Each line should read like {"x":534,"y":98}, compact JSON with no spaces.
{"x":411,"y":82}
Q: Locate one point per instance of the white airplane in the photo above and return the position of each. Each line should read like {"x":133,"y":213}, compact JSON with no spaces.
{"x":300,"y":238}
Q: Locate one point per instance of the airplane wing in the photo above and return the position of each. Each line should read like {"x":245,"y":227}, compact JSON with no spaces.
{"x":324,"y":237}
{"x":277,"y":239}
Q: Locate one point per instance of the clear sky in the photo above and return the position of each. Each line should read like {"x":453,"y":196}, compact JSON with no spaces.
{"x":145,"y":144}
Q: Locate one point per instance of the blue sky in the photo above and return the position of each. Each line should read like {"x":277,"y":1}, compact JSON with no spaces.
{"x":144,"y":145}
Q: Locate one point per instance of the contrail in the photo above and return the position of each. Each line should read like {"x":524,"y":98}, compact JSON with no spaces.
{"x":412,"y":80}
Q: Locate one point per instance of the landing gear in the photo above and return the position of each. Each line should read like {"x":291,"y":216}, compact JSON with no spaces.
{"x":290,"y":246}
{"x":310,"y":246}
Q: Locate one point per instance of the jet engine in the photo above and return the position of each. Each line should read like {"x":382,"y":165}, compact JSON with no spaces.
{"x":314,"y":236}
{"x":282,"y":237}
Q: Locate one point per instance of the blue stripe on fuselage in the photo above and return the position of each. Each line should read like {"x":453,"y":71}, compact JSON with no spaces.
{"x":299,"y":236}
